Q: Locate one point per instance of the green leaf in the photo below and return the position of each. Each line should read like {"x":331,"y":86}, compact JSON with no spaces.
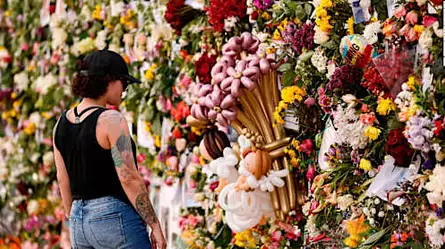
{"x":284,"y":67}
{"x":288,"y":78}
{"x":308,"y":8}
{"x":156,"y":125}
{"x":374,"y":238}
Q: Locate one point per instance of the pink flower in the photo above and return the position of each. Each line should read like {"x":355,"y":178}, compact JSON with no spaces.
{"x":400,"y":12}
{"x":364,"y":108}
{"x":169,"y":181}
{"x":213,"y":185}
{"x":429,"y":20}
{"x":310,"y":174}
{"x":309,"y":101}
{"x":412,"y":35}
{"x":367,"y":118}
{"x":412,"y":17}
{"x":193,"y":184}
{"x":25,"y":46}
{"x":306,"y":146}
{"x":405,"y":29}
{"x":172,"y":162}
{"x":276,"y":236}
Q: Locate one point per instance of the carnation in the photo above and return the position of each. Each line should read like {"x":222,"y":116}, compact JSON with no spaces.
{"x":203,"y":66}
{"x":21,"y":81}
{"x":371,"y":31}
{"x":434,"y":227}
{"x":59,"y":37}
{"x":319,"y":60}
{"x":345,"y":78}
{"x":350,"y":130}
{"x":43,"y":83}
{"x":220,"y":10}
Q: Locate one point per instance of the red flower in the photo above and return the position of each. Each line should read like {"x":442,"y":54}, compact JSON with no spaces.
{"x":219,"y":10}
{"x":177,"y":133}
{"x":203,"y":66}
{"x":178,"y":14}
{"x":181,"y":111}
{"x":375,"y":83}
{"x":438,"y":129}
{"x":141,"y":158}
{"x":395,"y":137}
{"x":437,"y":2}
{"x":213,"y":186}
{"x":306,"y":146}
{"x":398,"y":147}
{"x":52,"y":8}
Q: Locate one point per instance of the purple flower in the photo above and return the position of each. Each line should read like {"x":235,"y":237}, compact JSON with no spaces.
{"x":420,"y":132}
{"x":429,"y":162}
{"x":344,"y":78}
{"x":263,"y":4}
{"x":300,"y":38}
{"x":439,"y":212}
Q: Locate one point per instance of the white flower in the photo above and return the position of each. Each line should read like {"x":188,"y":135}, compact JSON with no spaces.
{"x":320,"y":36}
{"x":345,"y":201}
{"x":44,"y":83}
{"x":117,"y":8}
{"x":433,"y":230}
{"x":366,"y":211}
{"x":21,"y":81}
{"x":114,"y":47}
{"x":35,"y":118}
{"x":350,"y":129}
{"x":83,"y":46}
{"x":48,"y":158}
{"x":331,"y":69}
{"x":85,"y":14}
{"x":32,"y":207}
{"x":426,"y":39}
{"x":161,"y":31}
{"x":3,"y":55}
{"x":371,"y":31}
{"x":373,"y":211}
{"x":381,"y":214}
{"x":319,"y":60}
{"x":349,"y":98}
{"x":377,"y":201}
{"x":436,"y":186}
{"x":229,"y":23}
{"x":371,"y":221}
{"x":101,"y":39}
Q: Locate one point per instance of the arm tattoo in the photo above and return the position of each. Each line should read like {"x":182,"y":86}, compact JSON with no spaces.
{"x":121,"y":151}
{"x":145,"y":209}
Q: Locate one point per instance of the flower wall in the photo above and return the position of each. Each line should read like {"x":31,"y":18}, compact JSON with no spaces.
{"x":284,"y":124}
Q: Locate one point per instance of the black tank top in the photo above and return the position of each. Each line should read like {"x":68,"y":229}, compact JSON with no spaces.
{"x":90,"y":167}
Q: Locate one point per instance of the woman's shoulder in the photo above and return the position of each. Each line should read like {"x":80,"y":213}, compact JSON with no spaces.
{"x":110,"y":117}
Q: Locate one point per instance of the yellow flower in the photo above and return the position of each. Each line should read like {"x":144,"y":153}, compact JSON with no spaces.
{"x":411,"y":83}
{"x":326,"y":3}
{"x":291,"y":93}
{"x":188,"y":236}
{"x":158,"y":141}
{"x":270,"y":50}
{"x":351,"y":25}
{"x":324,"y":24}
{"x":13,"y":95}
{"x":372,"y":133}
{"x":294,"y":161}
{"x":282,"y":105}
{"x":321,"y":12}
{"x":351,"y":242}
{"x":196,"y":130}
{"x":292,"y":153}
{"x":30,"y":129}
{"x":202,"y":160}
{"x":356,"y":228}
{"x":96,"y":13}
{"x":12,"y":113}
{"x":266,"y":15}
{"x":7,"y":13}
{"x":419,"y":29}
{"x":277,"y":117}
{"x":365,"y":164}
{"x":245,"y":238}
{"x":283,"y":24}
{"x":385,"y":106}
{"x":149,"y":74}
{"x":412,"y":110}
{"x":16,"y":104}
{"x":296,"y":144}
{"x":147,"y":126}
{"x":5,"y":115}
{"x":47,"y":115}
{"x":276,"y":35}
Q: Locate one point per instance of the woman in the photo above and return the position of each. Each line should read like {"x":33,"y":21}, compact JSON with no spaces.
{"x":101,"y":189}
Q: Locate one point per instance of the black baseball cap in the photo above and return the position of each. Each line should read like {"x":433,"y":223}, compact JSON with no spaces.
{"x":105,"y":62}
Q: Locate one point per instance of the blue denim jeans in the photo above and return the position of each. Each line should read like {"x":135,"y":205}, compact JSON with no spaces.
{"x":106,"y":222}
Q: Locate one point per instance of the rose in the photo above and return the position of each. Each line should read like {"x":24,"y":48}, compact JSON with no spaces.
{"x":310,"y":174}
{"x":399,"y":12}
{"x":402,"y":155}
{"x":306,"y":146}
{"x":394,"y":137}
{"x":428,"y":21}
{"x":141,"y":158}
{"x":177,"y":132}
{"x":203,"y":66}
{"x":412,"y":17}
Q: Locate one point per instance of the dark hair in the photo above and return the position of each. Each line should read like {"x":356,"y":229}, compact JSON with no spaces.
{"x":90,"y":86}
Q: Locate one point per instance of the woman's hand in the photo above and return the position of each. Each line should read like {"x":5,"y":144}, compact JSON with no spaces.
{"x":157,"y":237}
